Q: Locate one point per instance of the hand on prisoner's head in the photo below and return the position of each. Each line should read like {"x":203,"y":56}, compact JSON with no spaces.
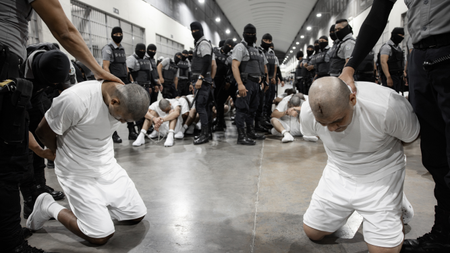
{"x":332,"y":103}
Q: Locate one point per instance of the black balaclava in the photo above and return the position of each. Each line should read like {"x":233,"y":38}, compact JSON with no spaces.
{"x":316,"y":46}
{"x":227,"y":45}
{"x":56,"y":45}
{"x":324,"y":44}
{"x":310,"y":50}
{"x":332,"y":34}
{"x":176,"y":59}
{"x":264,"y":45}
{"x":51,"y":67}
{"x":344,"y":31}
{"x":116,"y":39}
{"x":185,"y":52}
{"x":250,"y":39}
{"x":88,"y":75}
{"x":221,"y":43}
{"x":151,"y":47}
{"x":137,"y":50}
{"x":299,"y":54}
{"x":395,"y":37}
{"x":191,"y":55}
{"x":197,"y":26}
{"x":272,"y":46}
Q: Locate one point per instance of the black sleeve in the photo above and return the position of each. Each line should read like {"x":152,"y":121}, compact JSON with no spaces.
{"x":279,"y":73}
{"x":207,"y":60}
{"x":370,"y":31}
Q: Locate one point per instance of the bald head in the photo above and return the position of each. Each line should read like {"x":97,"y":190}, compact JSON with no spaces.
{"x":329,"y":96}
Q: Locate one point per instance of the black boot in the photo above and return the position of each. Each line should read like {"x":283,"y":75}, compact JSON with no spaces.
{"x":203,"y":137}
{"x":25,"y":248}
{"x":132,"y":134}
{"x":116,"y":138}
{"x":219,"y":126}
{"x":57,"y":195}
{"x":251,"y":133}
{"x":260,"y":128}
{"x":438,"y":240}
{"x":243,"y":139}
{"x":28,"y":205}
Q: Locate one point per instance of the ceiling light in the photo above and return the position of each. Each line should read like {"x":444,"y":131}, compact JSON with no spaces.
{"x":217,"y":19}
{"x":291,"y":51}
{"x":227,"y":31}
{"x":234,"y":39}
{"x":308,"y":28}
{"x":293,"y":47}
{"x":296,"y":43}
{"x":201,"y":1}
{"x":302,"y":36}
{"x":319,"y":15}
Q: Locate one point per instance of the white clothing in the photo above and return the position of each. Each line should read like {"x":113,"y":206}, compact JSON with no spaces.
{"x":95,"y":201}
{"x":84,"y":126}
{"x":164,"y":128}
{"x":370,"y":147}
{"x":378,"y":202}
{"x":155,"y":107}
{"x":292,"y":125}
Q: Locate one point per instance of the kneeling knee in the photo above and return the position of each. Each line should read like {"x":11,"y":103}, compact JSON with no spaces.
{"x":313,"y":234}
{"x":136,"y":221}
{"x":100,"y":241}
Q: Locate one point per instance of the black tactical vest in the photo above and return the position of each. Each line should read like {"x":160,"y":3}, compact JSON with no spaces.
{"x":271,"y":58}
{"x":254,"y":67}
{"x":298,"y":71}
{"x":197,"y":63}
{"x":337,"y":63}
{"x":222,"y":63}
{"x":170,"y":74}
{"x":119,"y":66}
{"x":322,"y":67}
{"x":305,"y":73}
{"x":155,"y":74}
{"x":395,"y":61}
{"x":142,"y":76}
{"x":366,"y":66}
{"x":184,"y":69}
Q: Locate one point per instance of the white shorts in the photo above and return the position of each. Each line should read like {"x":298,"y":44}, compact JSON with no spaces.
{"x":95,"y":201}
{"x":379,"y":202}
{"x":292,"y":126}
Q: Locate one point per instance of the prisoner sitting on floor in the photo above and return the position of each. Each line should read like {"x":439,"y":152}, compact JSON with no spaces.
{"x":166,"y":116}
{"x":362,"y":134}
{"x":78,"y":128}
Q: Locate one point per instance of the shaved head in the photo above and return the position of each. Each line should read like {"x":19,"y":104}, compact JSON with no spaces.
{"x":164,"y":104}
{"x":331,"y":100}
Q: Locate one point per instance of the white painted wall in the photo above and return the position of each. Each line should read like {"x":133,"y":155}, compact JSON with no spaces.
{"x":139,"y":13}
{"x":395,"y":20}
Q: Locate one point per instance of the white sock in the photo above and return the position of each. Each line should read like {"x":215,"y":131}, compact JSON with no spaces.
{"x":54,"y":209}
{"x":284,"y":131}
{"x":170,"y":134}
{"x":143,"y":132}
{"x":185,"y":126}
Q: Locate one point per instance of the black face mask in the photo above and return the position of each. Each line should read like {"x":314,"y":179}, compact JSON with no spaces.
{"x":177,"y":60}
{"x":265,"y":45}
{"x":197,"y":35}
{"x":117,"y":39}
{"x":151,"y":54}
{"x":323,"y":45}
{"x":183,"y":58}
{"x":396,"y":39}
{"x":190,"y":57}
{"x":226,"y":49}
{"x":250,"y":39}
{"x":316,"y":48}
{"x":342,"y":33}
{"x":333,"y":36}
{"x":140,"y":54}
{"x":309,"y":52}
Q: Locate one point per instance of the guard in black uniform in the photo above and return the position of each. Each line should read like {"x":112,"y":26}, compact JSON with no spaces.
{"x":272,"y":69}
{"x":366,"y":70}
{"x":298,"y":78}
{"x":155,"y":85}
{"x":306,"y":74}
{"x":391,"y":61}
{"x":201,"y":76}
{"x":249,"y":68}
{"x":222,"y":81}
{"x":320,"y":62}
{"x":184,"y":77}
{"x":168,"y":75}
{"x":115,"y":61}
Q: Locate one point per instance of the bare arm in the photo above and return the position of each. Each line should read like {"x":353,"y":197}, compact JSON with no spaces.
{"x":237,"y":76}
{"x":34,"y":146}
{"x":106,"y":66}
{"x":159,"y":68}
{"x":277,"y":114}
{"x":275,"y":75}
{"x":384,"y":66}
{"x":65,"y":32}
{"x":213,"y":68}
{"x":173,"y":114}
{"x":46,"y":135}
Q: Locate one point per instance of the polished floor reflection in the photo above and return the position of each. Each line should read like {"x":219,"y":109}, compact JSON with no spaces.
{"x":221,"y":197}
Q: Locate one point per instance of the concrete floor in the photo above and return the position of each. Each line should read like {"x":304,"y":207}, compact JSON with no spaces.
{"x":221,"y":197}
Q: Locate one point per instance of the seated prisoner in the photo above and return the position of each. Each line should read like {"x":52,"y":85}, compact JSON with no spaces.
{"x":362,"y":134}
{"x":286,"y":119}
{"x":78,"y":128}
{"x":166,"y":116}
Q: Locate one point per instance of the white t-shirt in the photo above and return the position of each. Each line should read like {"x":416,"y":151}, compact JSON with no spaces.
{"x":155,"y":107}
{"x":370,"y":148}
{"x":84,"y":126}
{"x":283,"y":106}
